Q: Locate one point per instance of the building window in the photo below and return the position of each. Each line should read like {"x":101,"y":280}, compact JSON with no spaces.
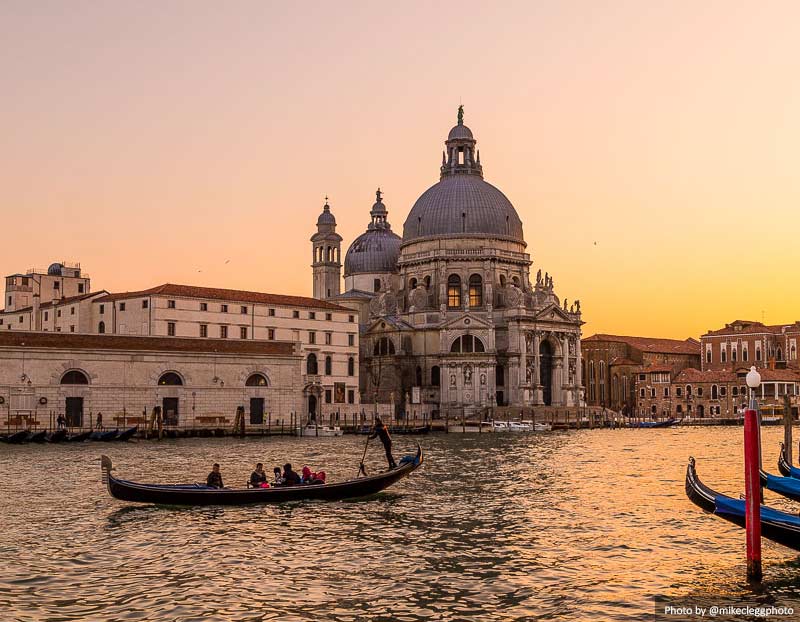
{"x":328,"y":339}
{"x":72,"y":328}
{"x":257,"y":380}
{"x":45,"y":316}
{"x":699,"y":391}
{"x":723,"y":391}
{"x":20,"y":319}
{"x":723,"y":354}
{"x":271,"y":312}
{"x":713,"y":392}
{"x":329,"y":316}
{"x":758,"y":353}
{"x":170,"y":304}
{"x":454,"y":292}
{"x":678,"y":392}
{"x":351,"y":366}
{"x":204,"y":306}
{"x":101,"y":327}
{"x":435,"y":379}
{"x":327,"y":396}
{"x":312,"y":315}
{"x":744,"y":354}
{"x":121,"y":308}
{"x":376,"y":285}
{"x":271,"y":333}
{"x":223,"y":308}
{"x":467,"y":343}
{"x":328,"y":366}
{"x":171,"y":329}
{"x":243,"y":309}
{"x":688,"y":390}
{"x":641,"y":392}
{"x":652,"y":392}
{"x":170,"y":379}
{"x":311,"y":365}
{"x":295,"y":314}
{"x":351,"y":340}
{"x":56,"y":285}
{"x":223,"y":332}
{"x":312,"y":337}
{"x":146,"y":303}
{"x":666,"y":391}
{"x":351,"y":318}
{"x":102,"y":309}
{"x":72,"y":310}
{"x":243,"y":332}
{"x":204,"y":330}
{"x":475,"y":291}
{"x":351,"y":396}
{"x":708,"y":355}
{"x":383,"y":346}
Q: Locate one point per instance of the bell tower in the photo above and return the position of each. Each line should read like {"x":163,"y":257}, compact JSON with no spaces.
{"x":327,"y":248}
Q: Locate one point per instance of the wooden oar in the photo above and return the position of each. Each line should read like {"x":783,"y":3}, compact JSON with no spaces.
{"x":361,"y":468}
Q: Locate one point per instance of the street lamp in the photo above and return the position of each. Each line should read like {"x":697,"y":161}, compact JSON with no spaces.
{"x":753,"y":380}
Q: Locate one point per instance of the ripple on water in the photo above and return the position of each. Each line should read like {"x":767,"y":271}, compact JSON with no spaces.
{"x":563,"y":526}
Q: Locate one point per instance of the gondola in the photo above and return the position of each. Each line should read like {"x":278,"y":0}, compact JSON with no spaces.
{"x":80,"y":437}
{"x":786,"y":469}
{"x":657,"y":424}
{"x":127,"y":434}
{"x":778,"y":526}
{"x":17,"y":437}
{"x":103,"y":436}
{"x":788,"y":487}
{"x":37,"y":437}
{"x":57,"y":436}
{"x":200,"y":494}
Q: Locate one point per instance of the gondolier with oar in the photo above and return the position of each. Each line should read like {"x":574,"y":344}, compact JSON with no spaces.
{"x":381,"y":431}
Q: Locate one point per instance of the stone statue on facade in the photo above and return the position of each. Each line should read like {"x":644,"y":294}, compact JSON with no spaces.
{"x":577,"y":306}
{"x":468,"y":375}
{"x":539,"y":277}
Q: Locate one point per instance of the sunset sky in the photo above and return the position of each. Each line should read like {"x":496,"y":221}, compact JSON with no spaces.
{"x":651,"y":149}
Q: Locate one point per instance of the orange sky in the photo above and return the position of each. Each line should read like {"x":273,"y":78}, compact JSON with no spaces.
{"x":153,"y":142}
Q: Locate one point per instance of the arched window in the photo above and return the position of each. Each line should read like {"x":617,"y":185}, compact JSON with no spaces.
{"x":475,"y":291}
{"x":713,"y":392}
{"x":708,"y":356}
{"x":74,"y":376}
{"x":735,"y":392}
{"x":170,"y":379}
{"x":427,"y":282}
{"x":688,"y":390}
{"x":678,"y":392}
{"x":412,"y":283}
{"x":435,"y":375}
{"x":792,"y":353}
{"x":376,"y":285}
{"x":502,"y":280}
{"x":467,"y":343}
{"x":101,"y":328}
{"x":733,"y":355}
{"x":328,"y":366}
{"x":256,"y":380}
{"x":723,"y":354}
{"x":780,"y":354}
{"x":744,"y":354}
{"x":351,"y":366}
{"x":383,"y":346}
{"x":515,"y":281}
{"x":454,"y":292}
{"x":311,"y":365}
{"x":419,"y":376}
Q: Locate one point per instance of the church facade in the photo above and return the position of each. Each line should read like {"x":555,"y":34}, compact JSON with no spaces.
{"x":452,"y":323}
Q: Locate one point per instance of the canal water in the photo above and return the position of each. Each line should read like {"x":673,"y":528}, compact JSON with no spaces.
{"x":582,"y":525}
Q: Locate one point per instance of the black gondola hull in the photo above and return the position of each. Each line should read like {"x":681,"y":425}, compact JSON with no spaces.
{"x":202,"y":495}
{"x":785,"y":530}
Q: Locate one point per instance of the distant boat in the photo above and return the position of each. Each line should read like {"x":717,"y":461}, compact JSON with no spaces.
{"x":657,"y":424}
{"x":79,"y":437}
{"x":313,"y":430}
{"x":37,"y":437}
{"x":57,"y":436}
{"x":539,"y":426}
{"x":127,"y":434}
{"x":778,"y":526}
{"x":16,"y":438}
{"x":103,"y":436}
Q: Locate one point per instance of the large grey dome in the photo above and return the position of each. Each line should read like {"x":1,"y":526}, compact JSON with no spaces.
{"x":463,"y":204}
{"x":375,"y":250}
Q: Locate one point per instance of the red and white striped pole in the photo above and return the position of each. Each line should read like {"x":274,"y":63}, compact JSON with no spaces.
{"x":752,"y":479}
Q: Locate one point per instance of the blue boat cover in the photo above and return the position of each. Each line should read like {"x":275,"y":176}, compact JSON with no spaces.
{"x":794,"y":472}
{"x":735,"y":507}
{"x":783,"y":485}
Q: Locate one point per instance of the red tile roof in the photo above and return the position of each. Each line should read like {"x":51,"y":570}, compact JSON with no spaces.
{"x":75,"y":341}
{"x":652,"y":344}
{"x":749,"y":327}
{"x":767,"y":375}
{"x":233,"y":295}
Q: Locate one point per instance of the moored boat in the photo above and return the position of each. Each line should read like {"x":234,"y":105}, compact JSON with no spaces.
{"x":788,"y":487}
{"x":37,"y":437}
{"x":97,"y":435}
{"x":79,"y":437}
{"x":657,"y":424}
{"x":200,"y":494}
{"x":539,"y":426}
{"x":127,"y":434}
{"x":778,"y":526}
{"x":17,"y":437}
{"x":786,"y":469}
{"x":313,"y":430}
{"x":57,"y":436}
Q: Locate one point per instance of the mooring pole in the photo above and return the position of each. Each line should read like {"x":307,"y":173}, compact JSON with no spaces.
{"x":752,"y":480}
{"x":787,"y":427}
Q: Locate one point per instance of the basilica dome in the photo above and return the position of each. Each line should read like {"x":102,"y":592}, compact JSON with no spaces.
{"x":462,"y":203}
{"x":377,"y":249}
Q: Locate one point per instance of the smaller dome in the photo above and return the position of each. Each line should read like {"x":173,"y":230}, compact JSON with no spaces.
{"x":55,"y":269}
{"x":377,"y":250}
{"x":460,"y":132}
{"x":326,"y":217}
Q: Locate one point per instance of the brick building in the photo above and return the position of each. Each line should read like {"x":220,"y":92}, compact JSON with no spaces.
{"x":614,"y":364}
{"x":743,"y":343}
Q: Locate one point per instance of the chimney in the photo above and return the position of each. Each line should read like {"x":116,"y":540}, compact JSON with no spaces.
{"x":36,"y":324}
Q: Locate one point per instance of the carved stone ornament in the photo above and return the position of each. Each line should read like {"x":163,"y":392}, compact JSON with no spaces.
{"x":513,"y":296}
{"x":452,"y":380}
{"x":468,"y":374}
{"x":418,"y":297}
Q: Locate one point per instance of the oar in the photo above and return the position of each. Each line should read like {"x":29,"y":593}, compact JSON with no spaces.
{"x":361,"y":468}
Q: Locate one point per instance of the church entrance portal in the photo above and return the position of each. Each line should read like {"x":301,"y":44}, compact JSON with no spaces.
{"x":546,"y":372}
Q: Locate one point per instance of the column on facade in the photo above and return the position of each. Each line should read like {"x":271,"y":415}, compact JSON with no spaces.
{"x":578,"y":366}
{"x":565,"y":348}
{"x":523,"y":356}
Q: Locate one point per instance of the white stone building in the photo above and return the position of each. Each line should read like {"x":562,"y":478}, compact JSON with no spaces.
{"x":450,"y":319}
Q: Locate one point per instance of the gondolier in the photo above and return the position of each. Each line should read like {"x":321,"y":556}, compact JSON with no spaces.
{"x":382,"y":432}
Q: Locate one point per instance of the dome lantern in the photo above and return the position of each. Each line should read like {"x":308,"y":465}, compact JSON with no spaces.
{"x":460,"y":158}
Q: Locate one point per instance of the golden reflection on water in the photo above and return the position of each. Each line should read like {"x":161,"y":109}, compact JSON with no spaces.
{"x":562,"y":526}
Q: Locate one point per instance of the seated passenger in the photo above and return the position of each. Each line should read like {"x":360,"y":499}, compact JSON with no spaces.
{"x":307,"y":475}
{"x":278,"y":480}
{"x":319,"y":477}
{"x":290,"y":478}
{"x":214,"y":478}
{"x":258,"y":476}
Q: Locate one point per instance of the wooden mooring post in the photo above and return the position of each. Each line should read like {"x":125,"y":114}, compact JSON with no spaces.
{"x":752,"y":481}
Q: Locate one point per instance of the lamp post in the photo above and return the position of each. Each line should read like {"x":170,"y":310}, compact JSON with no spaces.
{"x":752,"y":463}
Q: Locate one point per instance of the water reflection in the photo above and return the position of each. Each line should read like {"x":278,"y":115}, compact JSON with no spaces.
{"x":590,"y":524}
